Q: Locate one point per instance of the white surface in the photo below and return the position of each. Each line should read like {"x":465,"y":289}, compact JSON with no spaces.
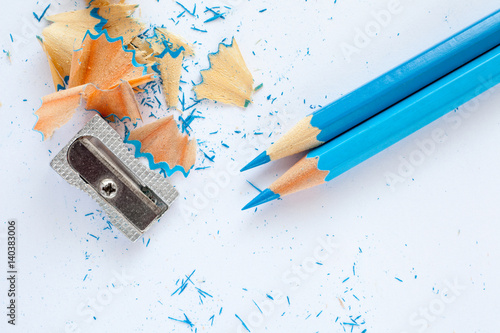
{"x":438,"y":227}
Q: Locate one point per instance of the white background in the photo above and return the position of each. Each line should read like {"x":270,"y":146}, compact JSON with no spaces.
{"x":438,"y":227}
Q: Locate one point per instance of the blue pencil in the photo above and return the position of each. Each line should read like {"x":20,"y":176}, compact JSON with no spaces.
{"x":386,"y":90}
{"x":388,"y":127}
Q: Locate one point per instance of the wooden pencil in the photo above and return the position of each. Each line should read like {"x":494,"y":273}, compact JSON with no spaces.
{"x":388,"y":127}
{"x":386,"y":90}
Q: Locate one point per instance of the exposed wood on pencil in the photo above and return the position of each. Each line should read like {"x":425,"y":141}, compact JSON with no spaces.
{"x":303,"y":175}
{"x":300,"y":138}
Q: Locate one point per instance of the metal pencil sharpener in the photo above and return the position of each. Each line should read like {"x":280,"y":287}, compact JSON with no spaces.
{"x":98,"y":162}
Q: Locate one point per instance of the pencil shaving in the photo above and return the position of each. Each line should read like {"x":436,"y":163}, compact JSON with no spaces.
{"x":173,"y":50}
{"x":166,"y":51}
{"x":118,"y":102}
{"x":103,"y":73}
{"x":68,"y":30}
{"x":143,"y":50}
{"x":65,"y":35}
{"x":228,"y":79}
{"x":164,"y":146}
{"x":56,"y":78}
{"x":170,"y":68}
{"x":99,"y":3}
{"x":57,"y":109}
{"x":119,"y":21}
{"x":175,"y":42}
{"x":103,"y":62}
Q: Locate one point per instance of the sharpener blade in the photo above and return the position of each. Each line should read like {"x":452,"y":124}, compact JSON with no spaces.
{"x":98,"y":162}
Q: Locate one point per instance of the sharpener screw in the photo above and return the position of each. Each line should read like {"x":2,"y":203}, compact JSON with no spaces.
{"x":108,"y":188}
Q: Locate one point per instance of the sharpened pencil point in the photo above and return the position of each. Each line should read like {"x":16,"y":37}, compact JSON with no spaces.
{"x":263,"y":197}
{"x":263,"y":158}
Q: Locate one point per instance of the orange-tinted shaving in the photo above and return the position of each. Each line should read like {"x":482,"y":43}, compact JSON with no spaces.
{"x":57,"y":109}
{"x":119,"y":102}
{"x":163,"y":140}
{"x":102,"y":63}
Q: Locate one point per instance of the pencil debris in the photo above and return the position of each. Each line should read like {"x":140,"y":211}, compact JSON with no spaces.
{"x":228,"y":79}
{"x":68,"y":30}
{"x":170,"y":63}
{"x":98,"y":81}
{"x":102,"y":54}
{"x":164,"y":146}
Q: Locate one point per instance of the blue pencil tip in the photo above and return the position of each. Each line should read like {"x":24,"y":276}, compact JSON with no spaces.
{"x":263,"y":158}
{"x":263,"y":197}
